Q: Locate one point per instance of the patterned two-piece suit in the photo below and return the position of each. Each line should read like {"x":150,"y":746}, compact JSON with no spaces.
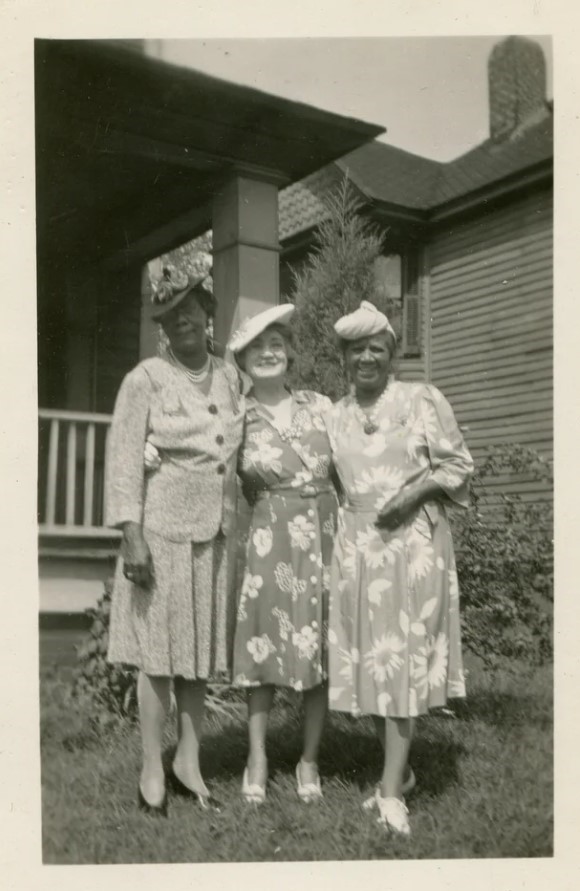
{"x":183,"y":625}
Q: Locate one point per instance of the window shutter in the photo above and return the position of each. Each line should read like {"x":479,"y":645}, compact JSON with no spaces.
{"x":411,"y":307}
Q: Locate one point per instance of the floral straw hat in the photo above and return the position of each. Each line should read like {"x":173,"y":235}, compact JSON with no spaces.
{"x":171,"y":290}
{"x":254,"y":325}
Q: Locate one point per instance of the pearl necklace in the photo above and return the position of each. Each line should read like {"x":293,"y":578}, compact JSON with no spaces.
{"x":369,"y":421}
{"x":196,"y":377}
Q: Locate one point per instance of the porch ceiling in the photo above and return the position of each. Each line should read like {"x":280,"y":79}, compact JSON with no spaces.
{"x":130,"y":150}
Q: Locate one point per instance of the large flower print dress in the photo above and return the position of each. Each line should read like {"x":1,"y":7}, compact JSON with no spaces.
{"x":394,"y":636}
{"x":282,"y":611}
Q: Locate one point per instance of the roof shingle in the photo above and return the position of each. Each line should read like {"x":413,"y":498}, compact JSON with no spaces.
{"x":388,"y":174}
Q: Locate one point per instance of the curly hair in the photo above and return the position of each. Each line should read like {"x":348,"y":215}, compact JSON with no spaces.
{"x":288,"y":338}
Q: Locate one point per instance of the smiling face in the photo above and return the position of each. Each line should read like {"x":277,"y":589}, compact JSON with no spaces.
{"x":185,"y":326}
{"x":368,"y":362}
{"x":266,"y":357}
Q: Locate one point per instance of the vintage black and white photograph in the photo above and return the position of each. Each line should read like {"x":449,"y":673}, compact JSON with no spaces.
{"x":295,"y":448}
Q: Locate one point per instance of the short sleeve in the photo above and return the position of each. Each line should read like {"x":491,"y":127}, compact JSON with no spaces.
{"x":451,"y":462}
{"x":125,"y":465}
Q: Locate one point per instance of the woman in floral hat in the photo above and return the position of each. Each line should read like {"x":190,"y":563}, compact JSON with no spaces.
{"x":394,"y":639}
{"x":173,"y":610}
{"x":281,"y":628}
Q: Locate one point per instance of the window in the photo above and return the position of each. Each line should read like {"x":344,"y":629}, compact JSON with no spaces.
{"x":397,"y":282}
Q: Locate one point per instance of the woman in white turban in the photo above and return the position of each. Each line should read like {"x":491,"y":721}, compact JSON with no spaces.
{"x":394,"y":636}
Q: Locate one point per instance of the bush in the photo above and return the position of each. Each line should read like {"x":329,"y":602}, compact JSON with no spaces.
{"x":109,"y":690}
{"x":505,"y":560}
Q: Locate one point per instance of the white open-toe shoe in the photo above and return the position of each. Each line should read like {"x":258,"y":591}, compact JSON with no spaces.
{"x":394,"y":815}
{"x":252,"y":792}
{"x":307,"y":792}
{"x":406,"y":789}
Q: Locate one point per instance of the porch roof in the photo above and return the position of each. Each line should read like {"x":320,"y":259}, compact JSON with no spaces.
{"x":130,"y":150}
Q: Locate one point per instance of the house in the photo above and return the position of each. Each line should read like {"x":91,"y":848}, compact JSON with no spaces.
{"x":135,"y":156}
{"x":468,"y":257}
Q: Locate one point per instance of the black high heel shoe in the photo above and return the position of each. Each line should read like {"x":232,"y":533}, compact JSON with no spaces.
{"x":156,"y":810}
{"x":205,"y":802}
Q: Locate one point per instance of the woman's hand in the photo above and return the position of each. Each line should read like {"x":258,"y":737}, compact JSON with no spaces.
{"x":397,"y":511}
{"x":137,"y":561}
{"x":404,"y":504}
{"x":151,"y":457}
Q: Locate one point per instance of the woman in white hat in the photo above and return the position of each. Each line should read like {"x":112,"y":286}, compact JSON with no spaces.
{"x":173,"y":608}
{"x":394,"y":636}
{"x":282,"y":612}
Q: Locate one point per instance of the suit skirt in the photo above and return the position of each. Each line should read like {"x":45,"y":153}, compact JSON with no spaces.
{"x":183,"y":625}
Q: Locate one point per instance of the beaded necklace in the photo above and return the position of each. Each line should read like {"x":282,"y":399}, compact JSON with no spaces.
{"x":369,"y":420}
{"x":196,"y":377}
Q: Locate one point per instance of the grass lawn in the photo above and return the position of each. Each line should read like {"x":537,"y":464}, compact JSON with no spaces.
{"x":484,"y":785}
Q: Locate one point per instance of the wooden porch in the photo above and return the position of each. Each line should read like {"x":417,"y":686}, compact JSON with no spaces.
{"x":71,"y":475}
{"x":76,"y":550}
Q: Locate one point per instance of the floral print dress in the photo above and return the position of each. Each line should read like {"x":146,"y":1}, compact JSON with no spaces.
{"x":282,"y":612}
{"x":394,"y":635}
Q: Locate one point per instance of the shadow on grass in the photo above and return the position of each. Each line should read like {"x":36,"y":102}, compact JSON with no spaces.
{"x":350,"y":752}
{"x":500,"y":708}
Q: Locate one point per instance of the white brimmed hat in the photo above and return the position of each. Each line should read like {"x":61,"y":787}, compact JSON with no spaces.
{"x":363,"y":322}
{"x":254,"y":325}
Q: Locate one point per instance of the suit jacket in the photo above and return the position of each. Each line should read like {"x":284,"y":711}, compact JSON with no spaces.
{"x":192,"y":496}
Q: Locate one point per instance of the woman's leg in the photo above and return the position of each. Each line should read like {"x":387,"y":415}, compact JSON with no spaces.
{"x":190,"y":700}
{"x":315,"y":708}
{"x":260,"y":701}
{"x":398,"y":735}
{"x":153,"y":700}
{"x":380,"y":731}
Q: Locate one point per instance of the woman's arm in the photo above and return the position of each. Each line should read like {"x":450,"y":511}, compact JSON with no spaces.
{"x":398,"y":510}
{"x":137,"y":561}
{"x":451,"y":464}
{"x":125,"y":473}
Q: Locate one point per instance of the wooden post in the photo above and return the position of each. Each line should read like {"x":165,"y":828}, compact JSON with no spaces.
{"x":89,"y":475}
{"x":245,"y":251}
{"x":71,"y":472}
{"x":50,"y":517}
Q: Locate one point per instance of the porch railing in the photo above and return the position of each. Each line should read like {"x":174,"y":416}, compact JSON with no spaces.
{"x":71,"y":473}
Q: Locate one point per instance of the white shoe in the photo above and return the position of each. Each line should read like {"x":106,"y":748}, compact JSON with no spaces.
{"x":252,"y":792}
{"x":394,"y":815}
{"x":406,"y":789}
{"x":307,"y":792}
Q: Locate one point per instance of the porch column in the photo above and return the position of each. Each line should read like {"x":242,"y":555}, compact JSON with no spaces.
{"x":245,"y":251}
{"x":148,"y":332}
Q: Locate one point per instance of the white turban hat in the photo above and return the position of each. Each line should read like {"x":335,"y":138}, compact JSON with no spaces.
{"x":363,"y":322}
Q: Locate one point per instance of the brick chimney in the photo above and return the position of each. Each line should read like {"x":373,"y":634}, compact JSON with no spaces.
{"x":517,"y":86}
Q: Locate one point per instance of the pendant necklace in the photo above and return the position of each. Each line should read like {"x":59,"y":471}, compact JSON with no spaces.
{"x":370,"y":422}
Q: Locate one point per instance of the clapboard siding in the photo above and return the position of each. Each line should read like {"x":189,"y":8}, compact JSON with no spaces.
{"x":410,"y":370}
{"x":460,"y":234}
{"x":491,"y":326}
